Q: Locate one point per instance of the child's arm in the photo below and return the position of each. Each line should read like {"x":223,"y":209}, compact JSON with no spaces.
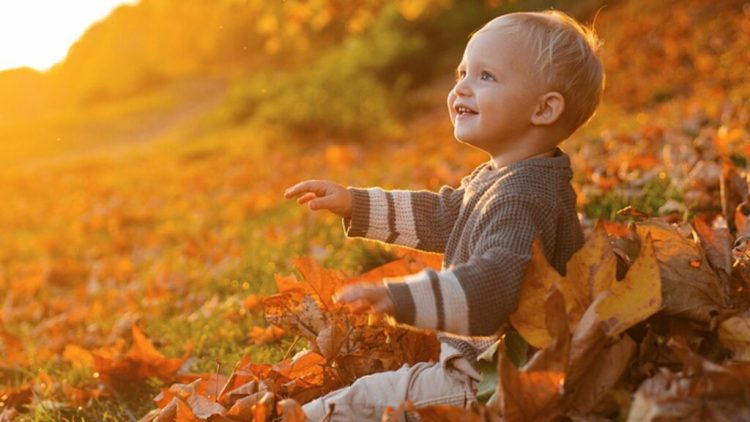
{"x":474,"y":298}
{"x":417,"y":219}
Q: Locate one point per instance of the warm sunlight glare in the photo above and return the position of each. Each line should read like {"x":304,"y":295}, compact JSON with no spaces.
{"x":38,"y":33}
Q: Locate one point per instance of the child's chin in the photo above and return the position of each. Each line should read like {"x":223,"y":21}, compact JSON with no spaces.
{"x":466,"y":141}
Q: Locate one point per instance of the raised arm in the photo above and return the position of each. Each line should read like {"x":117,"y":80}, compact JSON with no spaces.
{"x":416,"y":219}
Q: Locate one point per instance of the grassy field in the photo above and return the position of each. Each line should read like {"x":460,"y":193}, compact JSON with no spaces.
{"x":172,"y":221}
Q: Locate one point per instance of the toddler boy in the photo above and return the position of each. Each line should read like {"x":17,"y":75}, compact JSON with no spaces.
{"x":526,"y":82}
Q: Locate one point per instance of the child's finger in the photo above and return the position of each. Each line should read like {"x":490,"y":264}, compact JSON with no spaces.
{"x":309,"y":196}
{"x":315,"y":186}
{"x":360,"y":306}
{"x":348,"y":294}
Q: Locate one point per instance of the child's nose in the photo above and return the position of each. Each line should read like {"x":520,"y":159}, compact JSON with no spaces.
{"x":462,"y":88}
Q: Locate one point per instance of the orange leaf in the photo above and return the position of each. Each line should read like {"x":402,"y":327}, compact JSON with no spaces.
{"x":321,"y":282}
{"x":184,"y":412}
{"x":290,"y":411}
{"x":252,"y":302}
{"x":261,"y":335}
{"x":78,"y":356}
{"x":304,"y":365}
{"x":142,"y":349}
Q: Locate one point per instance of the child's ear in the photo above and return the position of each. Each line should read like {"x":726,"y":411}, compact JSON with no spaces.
{"x":549,"y":109}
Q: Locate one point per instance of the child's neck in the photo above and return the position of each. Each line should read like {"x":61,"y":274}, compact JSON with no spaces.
{"x":506,"y":158}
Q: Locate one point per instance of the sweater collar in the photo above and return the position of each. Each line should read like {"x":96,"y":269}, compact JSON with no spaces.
{"x":557,"y":159}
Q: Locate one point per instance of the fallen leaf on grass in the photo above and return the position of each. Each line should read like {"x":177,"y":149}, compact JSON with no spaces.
{"x":264,"y":335}
{"x":687,"y":291}
{"x":78,"y":356}
{"x":702,"y":391}
{"x":13,"y":353}
{"x":140,"y":362}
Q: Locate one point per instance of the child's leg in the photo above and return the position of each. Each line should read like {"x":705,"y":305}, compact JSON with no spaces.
{"x":451,"y":381}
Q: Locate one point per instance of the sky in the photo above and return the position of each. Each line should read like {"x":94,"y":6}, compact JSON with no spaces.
{"x":38,"y":33}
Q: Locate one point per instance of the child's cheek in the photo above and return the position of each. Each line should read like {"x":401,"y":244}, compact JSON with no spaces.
{"x":451,"y":111}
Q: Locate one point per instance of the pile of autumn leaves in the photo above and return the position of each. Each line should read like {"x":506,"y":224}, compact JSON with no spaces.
{"x":651,"y":318}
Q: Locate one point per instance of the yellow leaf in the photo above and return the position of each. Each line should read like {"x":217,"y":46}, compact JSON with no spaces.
{"x":636,"y":297}
{"x":538,"y":277}
{"x":590,"y":271}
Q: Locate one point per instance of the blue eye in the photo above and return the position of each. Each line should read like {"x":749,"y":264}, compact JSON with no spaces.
{"x":487,"y":76}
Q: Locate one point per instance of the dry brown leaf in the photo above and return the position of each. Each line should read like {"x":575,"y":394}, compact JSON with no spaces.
{"x":687,"y":291}
{"x":734,"y":333}
{"x":717,"y":243}
{"x":733,"y":191}
{"x":742,"y":219}
{"x":264,"y":408}
{"x":205,"y":409}
{"x":330,"y":340}
{"x":243,"y":408}
{"x":595,"y":364}
{"x":184,"y":413}
{"x":307,"y":365}
{"x":140,"y":362}
{"x":304,"y":317}
{"x":703,"y":391}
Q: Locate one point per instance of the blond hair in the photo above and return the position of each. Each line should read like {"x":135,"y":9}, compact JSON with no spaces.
{"x":566,"y":59}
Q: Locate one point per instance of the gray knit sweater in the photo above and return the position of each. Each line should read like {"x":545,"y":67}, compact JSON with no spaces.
{"x":485,"y":227}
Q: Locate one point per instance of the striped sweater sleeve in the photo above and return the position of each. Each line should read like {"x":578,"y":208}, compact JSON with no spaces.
{"x":474,"y":298}
{"x":416,"y":219}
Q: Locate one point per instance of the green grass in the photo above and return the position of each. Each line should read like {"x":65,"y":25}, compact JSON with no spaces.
{"x":652,"y":196}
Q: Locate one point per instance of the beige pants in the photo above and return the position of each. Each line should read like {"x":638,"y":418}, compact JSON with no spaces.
{"x":451,"y":381}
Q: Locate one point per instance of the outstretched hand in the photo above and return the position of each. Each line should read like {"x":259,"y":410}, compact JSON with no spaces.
{"x":322,"y":195}
{"x":363,"y":297}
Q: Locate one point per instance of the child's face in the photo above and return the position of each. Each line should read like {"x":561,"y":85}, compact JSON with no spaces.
{"x":494,"y":97}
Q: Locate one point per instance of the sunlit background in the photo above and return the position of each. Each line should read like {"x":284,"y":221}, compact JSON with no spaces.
{"x":38,"y":33}
{"x":145,"y":148}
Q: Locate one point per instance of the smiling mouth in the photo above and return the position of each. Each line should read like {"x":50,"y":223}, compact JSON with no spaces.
{"x":461,"y":111}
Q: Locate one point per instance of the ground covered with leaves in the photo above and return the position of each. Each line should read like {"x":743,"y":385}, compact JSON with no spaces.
{"x":172,"y":282}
